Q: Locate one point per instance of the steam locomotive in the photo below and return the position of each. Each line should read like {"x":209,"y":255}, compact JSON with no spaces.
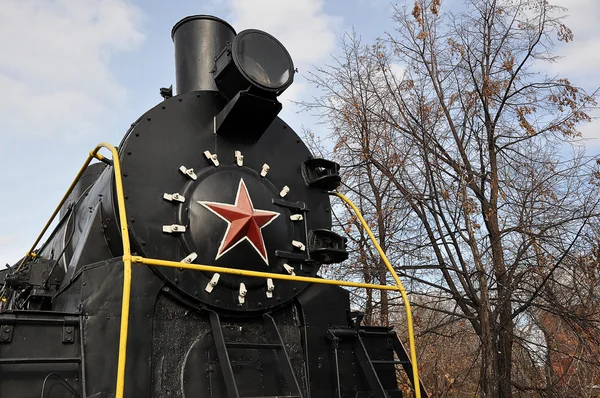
{"x":210,"y":176}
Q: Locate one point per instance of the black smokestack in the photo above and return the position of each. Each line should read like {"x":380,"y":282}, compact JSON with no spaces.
{"x":198,"y":40}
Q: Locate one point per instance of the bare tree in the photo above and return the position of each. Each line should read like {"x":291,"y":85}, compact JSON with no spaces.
{"x":466,"y":152}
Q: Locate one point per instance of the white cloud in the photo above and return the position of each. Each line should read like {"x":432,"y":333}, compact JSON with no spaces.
{"x":54,"y":69}
{"x":302,"y":26}
{"x":590,"y":132}
{"x":398,"y":70}
{"x":581,"y":56}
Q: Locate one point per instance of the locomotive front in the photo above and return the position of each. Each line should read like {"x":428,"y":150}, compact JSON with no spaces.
{"x":210,"y":176}
{"x":214,"y":177}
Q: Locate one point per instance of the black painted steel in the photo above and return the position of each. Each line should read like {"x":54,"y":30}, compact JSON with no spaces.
{"x":283,"y":357}
{"x":64,"y":382}
{"x":89,"y":177}
{"x":36,"y":361}
{"x":247,"y":116}
{"x":198,"y":40}
{"x":367,"y":367}
{"x":224,"y":360}
{"x":263,"y":346}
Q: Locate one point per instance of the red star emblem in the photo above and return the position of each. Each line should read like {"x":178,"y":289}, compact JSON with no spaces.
{"x":244,"y":222}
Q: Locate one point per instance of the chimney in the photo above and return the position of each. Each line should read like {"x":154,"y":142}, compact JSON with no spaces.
{"x":198,"y":40}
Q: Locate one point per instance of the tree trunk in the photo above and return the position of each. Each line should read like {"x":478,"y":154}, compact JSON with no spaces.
{"x":384,"y":319}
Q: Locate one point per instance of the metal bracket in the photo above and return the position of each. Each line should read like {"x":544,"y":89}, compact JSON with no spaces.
{"x":284,"y":191}
{"x":174,"y":196}
{"x":242,"y":293}
{"x":298,"y":245}
{"x":291,"y":256}
{"x":239,"y":158}
{"x":326,"y":246}
{"x":265,"y":169}
{"x":190,"y":258}
{"x":173,"y":229}
{"x":270,"y":288}
{"x":188,"y":172}
{"x":289,"y":269}
{"x":296,"y":206}
{"x":212,"y":157}
{"x":213,"y":282}
{"x":6,"y":333}
{"x":321,"y":173}
{"x":68,"y":334}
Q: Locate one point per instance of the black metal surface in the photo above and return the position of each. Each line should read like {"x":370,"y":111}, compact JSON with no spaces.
{"x":283,"y":357}
{"x":326,"y":246}
{"x":35,"y":349}
{"x":64,"y":382}
{"x":315,"y":319}
{"x":89,"y":177}
{"x":198,"y":40}
{"x":247,"y":116}
{"x":368,"y":370}
{"x":35,"y":361}
{"x":263,"y":346}
{"x":321,"y":173}
{"x":224,"y":361}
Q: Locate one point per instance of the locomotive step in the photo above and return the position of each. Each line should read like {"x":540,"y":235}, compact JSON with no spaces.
{"x":263,"y":346}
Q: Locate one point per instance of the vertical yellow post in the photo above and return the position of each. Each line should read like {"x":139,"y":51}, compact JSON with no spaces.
{"x":122,"y":361}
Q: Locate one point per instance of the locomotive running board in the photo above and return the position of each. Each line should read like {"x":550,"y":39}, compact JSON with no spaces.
{"x":276,"y":344}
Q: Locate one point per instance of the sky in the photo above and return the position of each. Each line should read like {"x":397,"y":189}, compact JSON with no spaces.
{"x":77,"y":72}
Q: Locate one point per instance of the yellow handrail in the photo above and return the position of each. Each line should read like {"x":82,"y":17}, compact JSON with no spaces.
{"x":128,"y":259}
{"x":120,"y":387}
{"x":31,"y":253}
{"x":399,"y":287}
{"x":256,"y":274}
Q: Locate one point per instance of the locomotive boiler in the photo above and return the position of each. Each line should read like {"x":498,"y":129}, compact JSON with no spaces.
{"x":185,"y":265}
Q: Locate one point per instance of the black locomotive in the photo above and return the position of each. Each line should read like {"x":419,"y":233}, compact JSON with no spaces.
{"x":210,"y":176}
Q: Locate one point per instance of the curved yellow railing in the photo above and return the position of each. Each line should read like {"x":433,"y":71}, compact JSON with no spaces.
{"x":128,"y":260}
{"x":399,"y":287}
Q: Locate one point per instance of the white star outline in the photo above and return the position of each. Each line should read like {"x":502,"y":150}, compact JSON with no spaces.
{"x":245,"y":238}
